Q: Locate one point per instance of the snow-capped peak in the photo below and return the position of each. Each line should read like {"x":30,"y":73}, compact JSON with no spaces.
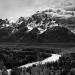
{"x":12,"y":19}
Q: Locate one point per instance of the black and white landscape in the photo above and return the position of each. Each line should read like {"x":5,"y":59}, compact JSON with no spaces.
{"x":37,"y":37}
{"x":46,"y":26}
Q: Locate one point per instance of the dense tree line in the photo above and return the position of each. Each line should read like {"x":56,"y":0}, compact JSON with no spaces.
{"x":17,"y":57}
{"x":64,"y":66}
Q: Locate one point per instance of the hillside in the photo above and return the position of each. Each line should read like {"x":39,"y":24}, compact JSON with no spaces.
{"x":52,"y":35}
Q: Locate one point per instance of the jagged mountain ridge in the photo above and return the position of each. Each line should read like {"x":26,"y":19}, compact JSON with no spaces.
{"x":47,"y":26}
{"x":43,"y":18}
{"x":53,"y":35}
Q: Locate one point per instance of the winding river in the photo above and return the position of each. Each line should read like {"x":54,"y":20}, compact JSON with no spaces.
{"x":53,"y":58}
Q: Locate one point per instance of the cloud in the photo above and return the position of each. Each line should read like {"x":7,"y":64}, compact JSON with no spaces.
{"x":17,"y":8}
{"x":11,"y":8}
{"x":61,"y":13}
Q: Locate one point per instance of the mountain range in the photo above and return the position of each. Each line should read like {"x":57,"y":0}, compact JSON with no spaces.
{"x":45,"y":26}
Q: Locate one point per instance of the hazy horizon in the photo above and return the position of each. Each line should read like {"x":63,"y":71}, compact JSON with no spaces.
{"x":17,"y":8}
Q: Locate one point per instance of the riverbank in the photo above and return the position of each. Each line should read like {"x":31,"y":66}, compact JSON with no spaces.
{"x":53,"y":58}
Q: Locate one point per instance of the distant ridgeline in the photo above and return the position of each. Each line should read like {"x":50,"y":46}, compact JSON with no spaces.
{"x":45,"y":26}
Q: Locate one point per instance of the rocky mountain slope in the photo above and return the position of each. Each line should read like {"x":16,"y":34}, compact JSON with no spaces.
{"x":46,"y":26}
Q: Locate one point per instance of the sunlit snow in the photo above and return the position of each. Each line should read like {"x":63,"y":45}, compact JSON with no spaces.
{"x":12,"y":19}
{"x":41,"y":30}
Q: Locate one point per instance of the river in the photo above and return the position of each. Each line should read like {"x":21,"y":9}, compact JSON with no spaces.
{"x":53,"y":58}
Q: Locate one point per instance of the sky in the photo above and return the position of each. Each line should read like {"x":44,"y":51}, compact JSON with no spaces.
{"x":17,"y":8}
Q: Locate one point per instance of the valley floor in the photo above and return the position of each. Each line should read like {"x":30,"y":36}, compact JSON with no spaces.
{"x":40,"y":45}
